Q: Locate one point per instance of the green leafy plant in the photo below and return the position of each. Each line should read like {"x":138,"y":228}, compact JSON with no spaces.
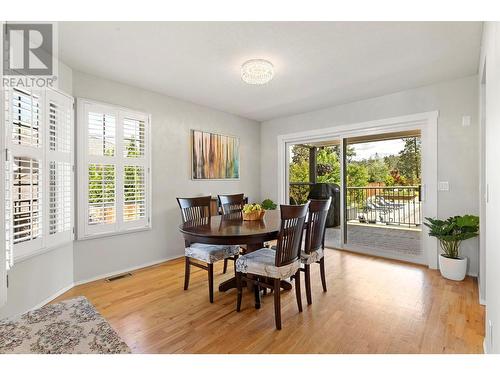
{"x":268,"y":204}
{"x":452,"y":231}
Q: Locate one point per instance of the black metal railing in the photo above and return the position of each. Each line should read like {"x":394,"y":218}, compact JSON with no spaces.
{"x":394,"y":205}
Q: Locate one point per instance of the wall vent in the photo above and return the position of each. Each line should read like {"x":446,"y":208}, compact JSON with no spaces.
{"x":118,"y":277}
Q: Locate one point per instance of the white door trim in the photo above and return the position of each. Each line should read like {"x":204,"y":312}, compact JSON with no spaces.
{"x":427,"y":123}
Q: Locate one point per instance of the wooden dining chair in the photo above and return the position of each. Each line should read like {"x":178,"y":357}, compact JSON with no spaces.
{"x":231,"y":204}
{"x":314,"y":247}
{"x":267,"y":267}
{"x":197,"y":211}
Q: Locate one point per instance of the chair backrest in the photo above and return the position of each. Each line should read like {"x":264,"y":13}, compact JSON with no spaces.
{"x":290,"y":236}
{"x":194,"y":208}
{"x":231,"y":203}
{"x":316,"y":223}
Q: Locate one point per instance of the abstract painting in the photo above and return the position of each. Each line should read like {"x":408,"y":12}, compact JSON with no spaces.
{"x":215,"y":156}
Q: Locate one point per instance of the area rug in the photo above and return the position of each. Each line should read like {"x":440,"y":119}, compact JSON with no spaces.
{"x":68,"y":327}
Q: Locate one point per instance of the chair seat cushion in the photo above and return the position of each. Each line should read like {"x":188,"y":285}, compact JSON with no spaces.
{"x":261,"y":262}
{"x":211,"y":253}
{"x":313,"y":257}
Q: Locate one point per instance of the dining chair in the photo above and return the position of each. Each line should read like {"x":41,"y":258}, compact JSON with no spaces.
{"x":267,"y":267}
{"x":231,"y":204}
{"x":197,"y":211}
{"x":314,"y":247}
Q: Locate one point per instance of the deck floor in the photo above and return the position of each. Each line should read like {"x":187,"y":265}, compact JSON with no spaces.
{"x":385,"y":240}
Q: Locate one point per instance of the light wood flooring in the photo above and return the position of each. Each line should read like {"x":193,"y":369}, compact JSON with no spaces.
{"x":372,"y":305}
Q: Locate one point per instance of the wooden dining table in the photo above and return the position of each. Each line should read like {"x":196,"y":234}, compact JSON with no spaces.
{"x":231,"y":229}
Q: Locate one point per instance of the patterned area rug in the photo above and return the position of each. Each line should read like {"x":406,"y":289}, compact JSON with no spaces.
{"x":71,"y":326}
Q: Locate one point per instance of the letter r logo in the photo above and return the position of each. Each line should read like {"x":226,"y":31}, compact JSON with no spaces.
{"x":28,"y":49}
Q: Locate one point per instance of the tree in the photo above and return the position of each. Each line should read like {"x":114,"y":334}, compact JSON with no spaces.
{"x":300,"y":153}
{"x":377,"y":170}
{"x":328,"y":165}
{"x":410,"y":159}
{"x":357,"y":175}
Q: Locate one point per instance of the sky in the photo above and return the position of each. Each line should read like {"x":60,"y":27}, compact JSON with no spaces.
{"x":382,"y":148}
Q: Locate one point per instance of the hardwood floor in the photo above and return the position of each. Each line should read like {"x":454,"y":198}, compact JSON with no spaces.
{"x":372,"y":305}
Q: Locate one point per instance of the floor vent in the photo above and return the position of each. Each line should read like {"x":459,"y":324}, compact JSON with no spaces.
{"x":118,"y":277}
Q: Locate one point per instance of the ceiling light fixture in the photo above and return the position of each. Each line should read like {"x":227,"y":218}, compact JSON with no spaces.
{"x":257,"y":72}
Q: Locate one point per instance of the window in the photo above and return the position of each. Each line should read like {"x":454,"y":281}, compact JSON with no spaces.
{"x":39,"y":171}
{"x":113,"y":167}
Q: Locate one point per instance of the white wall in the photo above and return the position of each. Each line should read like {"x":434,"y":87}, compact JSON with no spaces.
{"x":490,"y":54}
{"x":39,"y":278}
{"x":457,"y":146}
{"x":172,"y":120}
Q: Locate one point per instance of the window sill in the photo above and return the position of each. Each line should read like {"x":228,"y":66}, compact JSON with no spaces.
{"x":35,"y":253}
{"x":113,"y":234}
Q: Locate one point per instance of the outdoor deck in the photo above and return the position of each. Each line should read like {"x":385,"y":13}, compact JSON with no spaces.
{"x":392,"y":242}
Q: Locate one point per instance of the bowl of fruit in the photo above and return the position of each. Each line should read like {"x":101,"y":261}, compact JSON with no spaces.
{"x":253,"y":212}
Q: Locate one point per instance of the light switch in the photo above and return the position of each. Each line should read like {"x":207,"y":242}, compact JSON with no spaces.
{"x":444,"y":186}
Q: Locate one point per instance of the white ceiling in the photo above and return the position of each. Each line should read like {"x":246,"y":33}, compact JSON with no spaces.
{"x":317,"y":64}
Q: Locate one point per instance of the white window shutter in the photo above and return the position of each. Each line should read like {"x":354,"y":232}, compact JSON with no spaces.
{"x":113,"y":169}
{"x":38,"y":200}
{"x":9,"y":240}
{"x":59,"y":168}
{"x":25,"y":140}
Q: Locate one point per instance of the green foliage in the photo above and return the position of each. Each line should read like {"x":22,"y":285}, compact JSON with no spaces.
{"x":328,"y":165}
{"x":452,"y":231}
{"x":378,"y":171}
{"x":410,"y":159}
{"x":393,"y":170}
{"x":357,"y":175}
{"x":268,"y":204}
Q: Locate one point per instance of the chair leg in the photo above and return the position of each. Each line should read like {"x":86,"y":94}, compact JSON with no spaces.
{"x":186,"y":274}
{"x":225,"y":266}
{"x":322,"y":271}
{"x":277,"y":303}
{"x":235,"y":258}
{"x":297,"y":290}
{"x":307,"y":274}
{"x":256,"y":290}
{"x":240,"y":291}
{"x":211,"y":282}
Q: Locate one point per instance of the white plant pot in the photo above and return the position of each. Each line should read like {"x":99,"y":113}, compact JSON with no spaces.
{"x":453,"y":269}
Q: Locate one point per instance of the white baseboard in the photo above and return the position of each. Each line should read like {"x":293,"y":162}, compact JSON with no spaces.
{"x":72,"y":285}
{"x":129,"y":269}
{"x":52,"y":297}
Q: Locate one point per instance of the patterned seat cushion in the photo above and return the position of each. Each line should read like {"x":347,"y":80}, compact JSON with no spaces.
{"x":313,"y":257}
{"x":211,"y":253}
{"x":261,"y":262}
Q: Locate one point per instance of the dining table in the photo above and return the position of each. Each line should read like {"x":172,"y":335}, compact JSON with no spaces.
{"x":231,"y":229}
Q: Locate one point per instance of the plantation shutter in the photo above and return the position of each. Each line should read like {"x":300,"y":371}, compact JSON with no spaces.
{"x":59,"y":167}
{"x":135,"y":169}
{"x":25,"y":111}
{"x":113,"y":163}
{"x":38,"y":171}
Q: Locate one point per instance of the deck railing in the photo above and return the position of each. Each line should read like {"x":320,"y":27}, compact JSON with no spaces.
{"x":390,"y":205}
{"x":394,"y":205}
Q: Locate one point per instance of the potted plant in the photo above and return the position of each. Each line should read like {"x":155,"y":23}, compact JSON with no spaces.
{"x":451,"y":233}
{"x":268,"y":204}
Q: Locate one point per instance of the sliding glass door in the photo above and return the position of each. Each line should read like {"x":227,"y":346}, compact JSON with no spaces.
{"x":375,"y":184}
{"x":315,"y":172}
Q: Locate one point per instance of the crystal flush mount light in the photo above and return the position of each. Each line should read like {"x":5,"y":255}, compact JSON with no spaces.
{"x":257,"y":72}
